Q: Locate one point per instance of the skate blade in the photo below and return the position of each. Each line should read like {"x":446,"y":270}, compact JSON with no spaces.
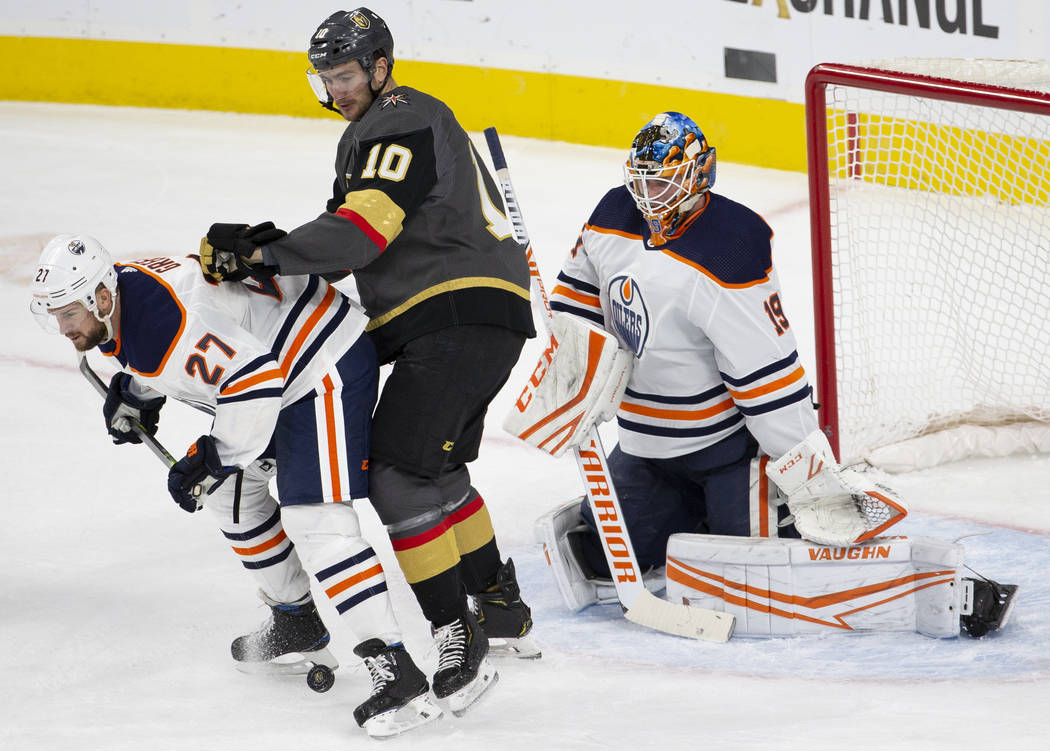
{"x":419,"y":711}
{"x":293,"y":663}
{"x":466,"y":697}
{"x":522,"y":648}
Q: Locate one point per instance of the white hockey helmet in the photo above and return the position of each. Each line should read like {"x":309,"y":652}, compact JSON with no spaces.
{"x":69,"y":270}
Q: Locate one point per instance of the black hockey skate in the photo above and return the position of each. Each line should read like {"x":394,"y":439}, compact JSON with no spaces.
{"x":399,"y":699}
{"x":990,"y":608}
{"x":292,"y":641}
{"x":463,"y":672}
{"x":504,"y":618}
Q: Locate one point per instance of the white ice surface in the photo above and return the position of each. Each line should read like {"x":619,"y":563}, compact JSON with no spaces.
{"x":116,"y":608}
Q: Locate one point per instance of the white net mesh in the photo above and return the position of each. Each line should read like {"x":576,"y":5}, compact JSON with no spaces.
{"x":940,"y":232}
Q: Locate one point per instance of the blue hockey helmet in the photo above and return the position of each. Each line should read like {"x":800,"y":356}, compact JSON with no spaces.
{"x":670,"y":166}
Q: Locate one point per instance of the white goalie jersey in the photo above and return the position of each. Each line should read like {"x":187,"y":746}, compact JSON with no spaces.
{"x":704,"y":319}
{"x":241,"y":351}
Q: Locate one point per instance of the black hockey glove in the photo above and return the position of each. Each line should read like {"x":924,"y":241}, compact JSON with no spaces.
{"x":197,"y":474}
{"x":124,"y":411}
{"x":227,"y":247}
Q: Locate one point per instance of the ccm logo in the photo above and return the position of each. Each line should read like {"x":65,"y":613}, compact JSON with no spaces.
{"x":537,"y":375}
{"x":813,"y":470}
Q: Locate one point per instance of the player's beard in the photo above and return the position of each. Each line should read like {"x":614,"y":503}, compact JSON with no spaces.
{"x":94,"y":336}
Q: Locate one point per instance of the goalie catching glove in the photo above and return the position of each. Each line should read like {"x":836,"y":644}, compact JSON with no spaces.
{"x":578,"y":383}
{"x":832,"y":505}
{"x":226,"y":252}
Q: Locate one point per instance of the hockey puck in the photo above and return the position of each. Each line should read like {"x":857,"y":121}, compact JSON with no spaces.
{"x":320,"y":678}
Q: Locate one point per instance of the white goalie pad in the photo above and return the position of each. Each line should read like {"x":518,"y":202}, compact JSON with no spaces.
{"x":578,"y":382}
{"x":576,"y":588}
{"x":780,"y":587}
{"x":830,"y":504}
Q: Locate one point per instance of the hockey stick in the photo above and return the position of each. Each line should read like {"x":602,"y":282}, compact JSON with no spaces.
{"x":640,"y":605}
{"x":151,"y":443}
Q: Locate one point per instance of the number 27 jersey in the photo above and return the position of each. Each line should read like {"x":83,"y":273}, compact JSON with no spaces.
{"x":240,"y":350}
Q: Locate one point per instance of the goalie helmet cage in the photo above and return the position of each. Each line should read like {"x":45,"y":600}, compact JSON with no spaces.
{"x":930,"y":220}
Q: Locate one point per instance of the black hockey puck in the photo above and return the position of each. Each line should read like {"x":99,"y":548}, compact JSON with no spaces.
{"x":320,"y":678}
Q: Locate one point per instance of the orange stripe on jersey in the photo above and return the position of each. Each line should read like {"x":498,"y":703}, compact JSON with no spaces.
{"x":677,"y":414}
{"x":263,"y":547}
{"x":714,"y":278}
{"x":607,"y":231}
{"x":333,"y":445}
{"x":345,"y":584}
{"x":310,"y":325}
{"x":268,"y":375}
{"x":796,"y":375}
{"x":577,"y":296}
{"x":174,"y":339}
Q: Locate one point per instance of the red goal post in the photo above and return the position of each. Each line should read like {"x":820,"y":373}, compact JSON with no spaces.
{"x":930,"y":222}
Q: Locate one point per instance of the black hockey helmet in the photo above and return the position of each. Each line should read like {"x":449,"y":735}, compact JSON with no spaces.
{"x":351,"y":35}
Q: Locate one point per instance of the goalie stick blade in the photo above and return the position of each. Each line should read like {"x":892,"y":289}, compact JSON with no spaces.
{"x":695,"y":623}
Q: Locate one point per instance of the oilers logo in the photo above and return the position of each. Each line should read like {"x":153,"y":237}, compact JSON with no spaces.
{"x":76,"y":247}
{"x":630,"y":318}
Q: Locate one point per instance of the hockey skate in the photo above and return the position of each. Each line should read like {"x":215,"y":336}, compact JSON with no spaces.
{"x":989,"y":607}
{"x":399,"y":699}
{"x":292,"y":641}
{"x":463,"y":672}
{"x":504,"y":618}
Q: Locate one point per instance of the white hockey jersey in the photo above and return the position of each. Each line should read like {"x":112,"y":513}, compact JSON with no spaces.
{"x":241,"y":351}
{"x":704,"y":318}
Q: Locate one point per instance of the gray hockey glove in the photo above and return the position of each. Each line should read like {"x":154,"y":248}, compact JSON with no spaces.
{"x":124,"y":411}
{"x":227,"y":249}
{"x":198,"y":473}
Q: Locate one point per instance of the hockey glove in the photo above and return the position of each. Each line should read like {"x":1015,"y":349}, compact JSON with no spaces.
{"x":226,"y":251}
{"x":124,"y":412}
{"x":830,"y":504}
{"x":197,"y":474}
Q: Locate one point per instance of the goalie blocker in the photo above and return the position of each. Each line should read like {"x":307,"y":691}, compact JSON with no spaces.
{"x":578,"y":383}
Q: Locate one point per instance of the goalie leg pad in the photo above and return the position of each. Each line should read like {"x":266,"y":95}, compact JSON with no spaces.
{"x":577,"y":585}
{"x":552,"y":529}
{"x":786,"y":587}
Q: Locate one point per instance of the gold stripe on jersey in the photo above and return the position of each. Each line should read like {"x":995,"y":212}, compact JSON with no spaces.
{"x":424,"y":560}
{"x":467,"y":282}
{"x":378,"y":209}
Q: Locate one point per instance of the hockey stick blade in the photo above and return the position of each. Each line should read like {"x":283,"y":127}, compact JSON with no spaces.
{"x":695,"y":623}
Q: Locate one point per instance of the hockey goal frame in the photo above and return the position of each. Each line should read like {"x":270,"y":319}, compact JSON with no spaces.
{"x":883,"y":80}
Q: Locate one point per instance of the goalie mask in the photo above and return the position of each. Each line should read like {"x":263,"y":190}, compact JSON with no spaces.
{"x":668,"y":170}
{"x":344,"y":36}
{"x":70,"y":269}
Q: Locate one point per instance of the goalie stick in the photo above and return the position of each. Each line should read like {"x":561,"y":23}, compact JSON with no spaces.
{"x":151,"y":443}
{"x":639,"y":604}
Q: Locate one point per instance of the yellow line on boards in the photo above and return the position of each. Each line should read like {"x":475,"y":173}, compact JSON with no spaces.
{"x":592,"y":111}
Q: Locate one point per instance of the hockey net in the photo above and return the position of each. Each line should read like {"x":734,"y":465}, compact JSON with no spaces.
{"x":930,"y":213}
